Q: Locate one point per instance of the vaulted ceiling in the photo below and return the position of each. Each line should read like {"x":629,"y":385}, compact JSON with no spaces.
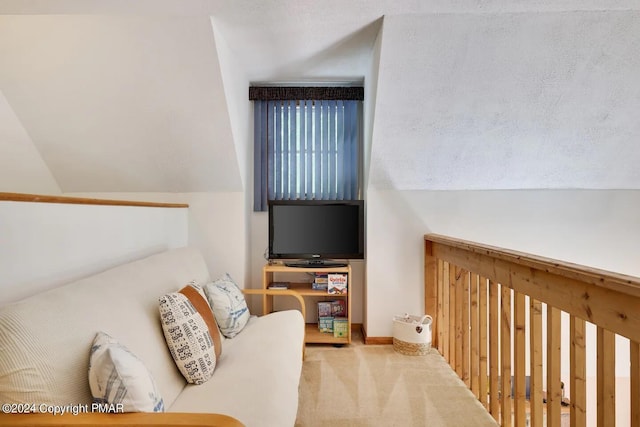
{"x":136,"y":96}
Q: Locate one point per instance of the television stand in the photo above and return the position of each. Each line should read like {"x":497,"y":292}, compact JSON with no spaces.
{"x":278,"y":273}
{"x":315,"y":264}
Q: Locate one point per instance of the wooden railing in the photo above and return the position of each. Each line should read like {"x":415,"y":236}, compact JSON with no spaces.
{"x":45,"y":198}
{"x":484,"y":301}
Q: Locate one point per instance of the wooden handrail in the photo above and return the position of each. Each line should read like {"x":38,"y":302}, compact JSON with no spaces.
{"x":606,"y":279}
{"x":42,"y":198}
{"x":477,"y":295}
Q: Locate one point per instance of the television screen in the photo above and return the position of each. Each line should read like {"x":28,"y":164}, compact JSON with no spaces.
{"x":316,"y":230}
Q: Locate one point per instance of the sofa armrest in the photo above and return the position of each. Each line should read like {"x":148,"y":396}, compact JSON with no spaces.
{"x":132,"y":419}
{"x":288,"y":292}
{"x":281,"y":292}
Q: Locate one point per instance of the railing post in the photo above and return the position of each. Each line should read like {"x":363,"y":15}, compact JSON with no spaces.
{"x":606,"y":381}
{"x":439,"y":315}
{"x":554,"y":384}
{"x":484,"y":333}
{"x":459,"y":276}
{"x":466,"y":351}
{"x":535,"y":384}
{"x":505,"y":356}
{"x":452,"y":316}
{"x":635,"y":383}
{"x":475,"y":338}
{"x":519,"y":385}
{"x":578,"y":367}
{"x":444,"y":329}
{"x":494,"y":350}
{"x":431,"y":289}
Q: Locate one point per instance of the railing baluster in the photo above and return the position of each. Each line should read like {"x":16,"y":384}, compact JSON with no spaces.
{"x":635,"y":384}
{"x":452,"y":316}
{"x":440,"y":308}
{"x":606,"y":360}
{"x":475,"y":338}
{"x":446,"y":305}
{"x":431,"y":292}
{"x":505,"y":356}
{"x":466,"y":351}
{"x":554,"y":385}
{"x":519,"y":360}
{"x":535,"y":385}
{"x":483,"y":325}
{"x":494,"y":354}
{"x":578,"y":373}
{"x":459,"y":298}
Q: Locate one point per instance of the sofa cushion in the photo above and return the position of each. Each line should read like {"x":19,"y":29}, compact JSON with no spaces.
{"x":191,"y":332}
{"x":228,"y":304}
{"x":258,"y":375}
{"x":117,"y":376}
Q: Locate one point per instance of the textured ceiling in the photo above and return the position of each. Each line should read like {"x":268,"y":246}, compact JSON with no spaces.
{"x":506,"y":101}
{"x":132,"y":96}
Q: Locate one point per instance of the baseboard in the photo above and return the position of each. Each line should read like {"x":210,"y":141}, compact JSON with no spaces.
{"x":375,"y":340}
{"x":378,"y":340}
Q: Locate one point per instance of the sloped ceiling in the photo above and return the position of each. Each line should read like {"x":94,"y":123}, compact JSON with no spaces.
{"x":140,"y":96}
{"x":508,"y":101}
{"x":121,"y":103}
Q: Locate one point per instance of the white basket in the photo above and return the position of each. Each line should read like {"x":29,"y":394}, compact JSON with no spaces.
{"x":412,"y":334}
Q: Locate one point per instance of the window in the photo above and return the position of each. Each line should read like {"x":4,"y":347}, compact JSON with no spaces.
{"x":307,"y":143}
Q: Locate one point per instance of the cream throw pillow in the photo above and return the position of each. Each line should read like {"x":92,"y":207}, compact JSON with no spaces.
{"x":191,"y":332}
{"x":228,"y":305}
{"x":117,"y":376}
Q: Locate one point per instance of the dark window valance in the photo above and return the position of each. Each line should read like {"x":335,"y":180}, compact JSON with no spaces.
{"x":279,"y":93}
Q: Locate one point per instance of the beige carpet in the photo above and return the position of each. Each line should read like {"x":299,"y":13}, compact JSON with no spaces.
{"x":372,"y":385}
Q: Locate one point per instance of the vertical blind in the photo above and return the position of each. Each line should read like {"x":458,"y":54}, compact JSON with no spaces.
{"x":306,"y":149}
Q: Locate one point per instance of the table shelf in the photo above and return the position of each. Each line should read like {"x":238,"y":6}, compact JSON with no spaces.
{"x":312,"y":334}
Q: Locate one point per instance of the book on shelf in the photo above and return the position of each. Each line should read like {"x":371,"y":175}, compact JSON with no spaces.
{"x":325,"y":324}
{"x":324,"y":309}
{"x":340,"y":327}
{"x":337,"y":283}
{"x":319,"y":282}
{"x":278,"y":285}
{"x":319,"y":286}
{"x":320,"y":278}
{"x":339,"y":308}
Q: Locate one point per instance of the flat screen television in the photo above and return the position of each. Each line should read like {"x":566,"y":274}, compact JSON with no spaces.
{"x":315,"y":232}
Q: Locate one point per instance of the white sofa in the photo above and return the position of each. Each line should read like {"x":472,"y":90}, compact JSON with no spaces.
{"x":45,"y":342}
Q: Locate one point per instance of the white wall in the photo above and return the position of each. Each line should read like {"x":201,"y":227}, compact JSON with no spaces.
{"x":216,"y":227}
{"x":22,"y":169}
{"x":594,"y":228}
{"x":43,"y":245}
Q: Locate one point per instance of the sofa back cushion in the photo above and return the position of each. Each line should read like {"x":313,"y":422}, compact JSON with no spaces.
{"x":45,"y":340}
